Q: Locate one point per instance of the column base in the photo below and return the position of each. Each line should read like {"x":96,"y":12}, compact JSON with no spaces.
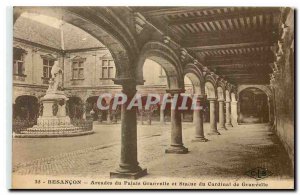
{"x":128,"y":175}
{"x":199,"y":139}
{"x":176,"y":150}
{"x":228,"y":125}
{"x":222,"y":129}
{"x":234,"y":124}
{"x":214,"y":133}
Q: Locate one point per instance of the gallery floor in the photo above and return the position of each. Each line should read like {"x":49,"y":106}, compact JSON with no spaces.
{"x":229,"y":155}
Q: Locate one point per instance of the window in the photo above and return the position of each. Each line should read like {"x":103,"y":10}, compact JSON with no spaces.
{"x":77,"y":69}
{"x":48,"y":62}
{"x":47,"y":66}
{"x":18,"y":60}
{"x":108,"y":67}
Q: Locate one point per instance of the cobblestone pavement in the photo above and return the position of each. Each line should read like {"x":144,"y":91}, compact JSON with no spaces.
{"x":27,"y":149}
{"x":230,"y":154}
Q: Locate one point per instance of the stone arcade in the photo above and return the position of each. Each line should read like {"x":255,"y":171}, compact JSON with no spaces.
{"x":240,"y":62}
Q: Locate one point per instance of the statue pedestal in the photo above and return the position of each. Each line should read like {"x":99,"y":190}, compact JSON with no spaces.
{"x":54,"y":122}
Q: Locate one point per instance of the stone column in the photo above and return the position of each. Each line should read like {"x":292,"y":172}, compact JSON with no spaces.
{"x":99,"y":116}
{"x":234,"y":116}
{"x":149,"y":115}
{"x":114,"y":117}
{"x":84,"y":112}
{"x":228,"y":115}
{"x":221,"y":115}
{"x":142,"y":117}
{"x":271,"y":118}
{"x":213,"y":121}
{"x":129,"y":167}
{"x":162,"y":116}
{"x":176,"y":128}
{"x":238,"y":112}
{"x":198,"y":121}
{"x":108,"y":116}
{"x":195,"y":114}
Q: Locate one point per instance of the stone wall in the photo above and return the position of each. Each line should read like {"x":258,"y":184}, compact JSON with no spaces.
{"x":33,"y":62}
{"x":282,"y":82}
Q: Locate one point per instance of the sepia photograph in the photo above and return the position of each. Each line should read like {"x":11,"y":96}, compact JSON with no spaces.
{"x":152,"y":97}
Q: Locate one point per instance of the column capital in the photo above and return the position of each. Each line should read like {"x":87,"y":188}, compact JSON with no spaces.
{"x":211,"y":99}
{"x":221,"y":100}
{"x":175,"y":91}
{"x":200,"y":97}
{"x":124,"y":81}
{"x":128,"y":85}
{"x":227,"y":101}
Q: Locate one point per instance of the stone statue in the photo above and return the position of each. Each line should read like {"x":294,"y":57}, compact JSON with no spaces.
{"x":54,"y":110}
{"x":56,"y":74}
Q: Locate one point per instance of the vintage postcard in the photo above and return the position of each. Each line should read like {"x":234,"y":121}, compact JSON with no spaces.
{"x":153,"y":98}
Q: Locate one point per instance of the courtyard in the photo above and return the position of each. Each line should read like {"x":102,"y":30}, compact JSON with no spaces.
{"x":229,"y":155}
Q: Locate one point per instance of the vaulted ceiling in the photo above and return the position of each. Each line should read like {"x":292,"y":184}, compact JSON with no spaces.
{"x":234,"y":42}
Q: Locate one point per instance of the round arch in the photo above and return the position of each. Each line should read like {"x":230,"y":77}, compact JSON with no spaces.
{"x":26,"y":107}
{"x":221,"y":89}
{"x":263,"y":88}
{"x":220,"y":92}
{"x":210,"y":90}
{"x":233,"y":97}
{"x":254,"y":106}
{"x":164,"y":56}
{"x":113,"y":34}
{"x":75,"y":107}
{"x":210,"y":86}
{"x":227,"y":95}
{"x":196,"y":77}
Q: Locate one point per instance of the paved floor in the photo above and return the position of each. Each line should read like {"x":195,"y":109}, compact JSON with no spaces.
{"x":231,"y":154}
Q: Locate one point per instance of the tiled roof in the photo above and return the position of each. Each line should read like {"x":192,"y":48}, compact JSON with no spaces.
{"x":74,"y":38}
{"x":36,"y":32}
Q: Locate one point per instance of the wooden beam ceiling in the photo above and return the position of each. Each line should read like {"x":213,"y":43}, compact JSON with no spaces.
{"x":159,"y":11}
{"x":229,"y":39}
{"x":231,"y":15}
{"x":234,"y":42}
{"x":234,"y":66}
{"x":246,"y":60}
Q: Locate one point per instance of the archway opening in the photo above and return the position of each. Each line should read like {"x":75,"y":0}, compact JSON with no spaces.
{"x":85,"y":54}
{"x":113,"y":114}
{"x":191,"y":84}
{"x":254,"y":106}
{"x":155,"y":82}
{"x":25,"y":112}
{"x":118,"y":42}
{"x":210,"y":93}
{"x":92,"y":109}
{"x":26,"y":107}
{"x":75,"y":108}
{"x":221,"y":97}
